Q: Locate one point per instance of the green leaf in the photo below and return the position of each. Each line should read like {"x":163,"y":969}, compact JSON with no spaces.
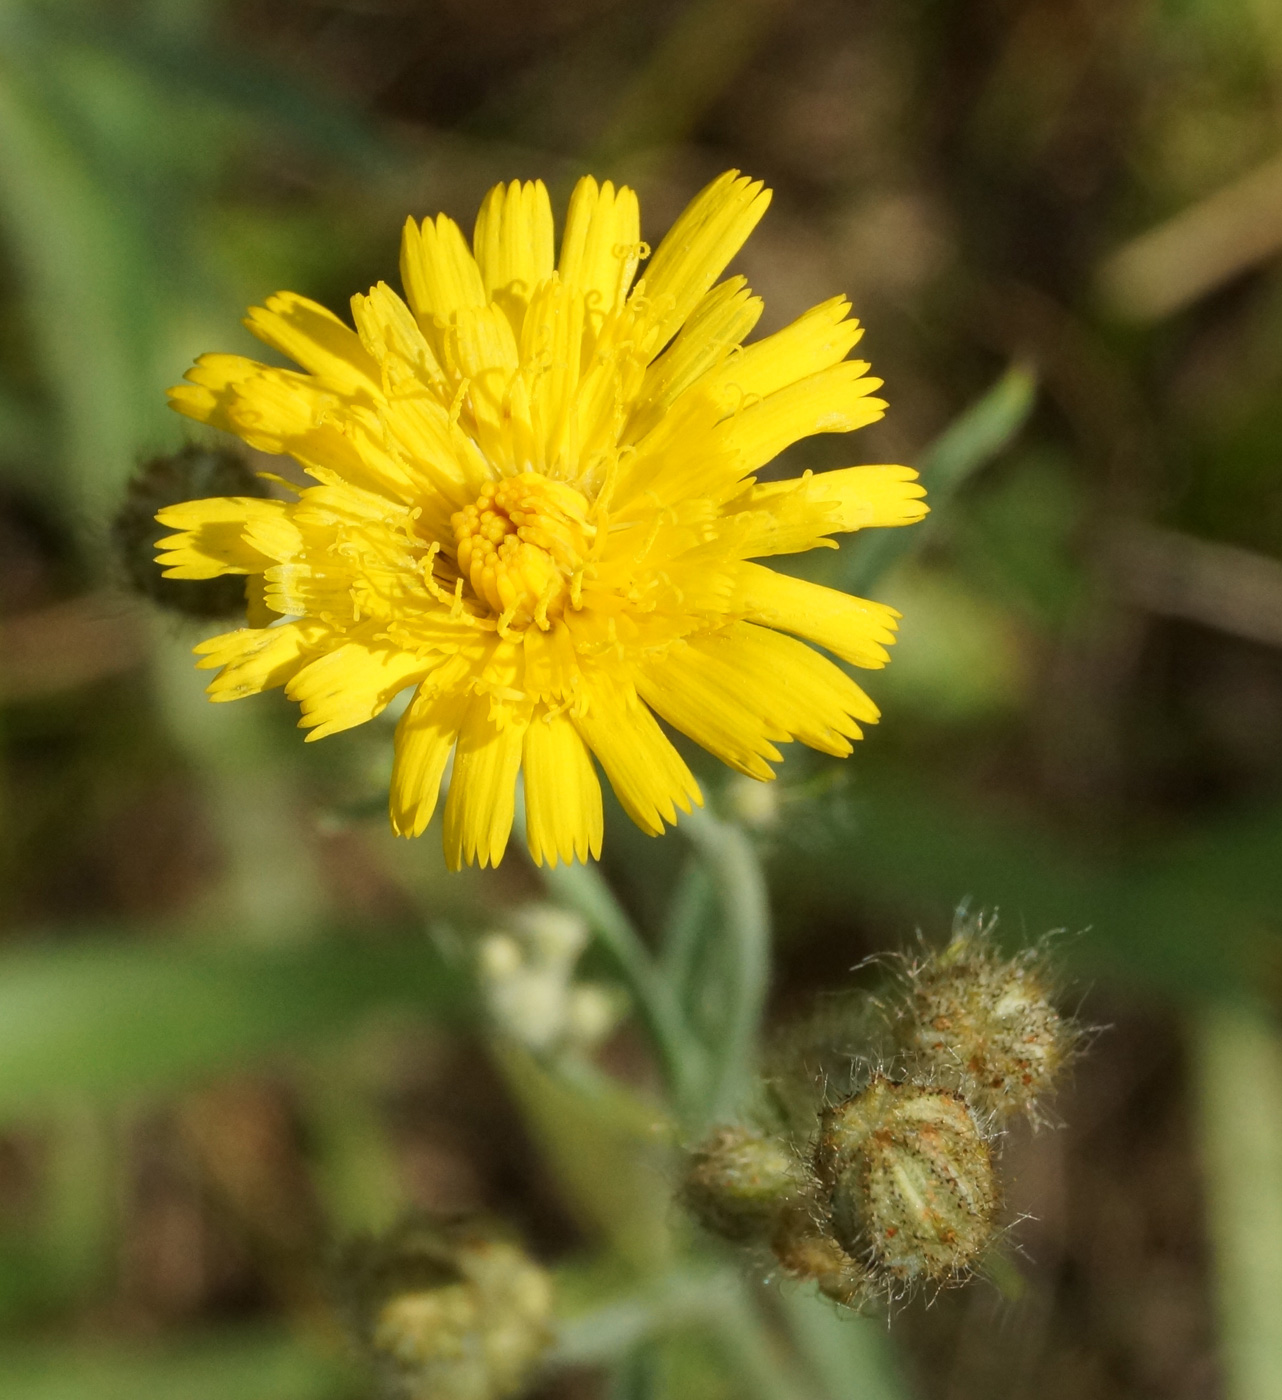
{"x":739,"y":967}
{"x":852,"y":1356}
{"x":608,"y":1149}
{"x":230,"y":1367}
{"x":973,"y":439}
{"x":105,"y":1020}
{"x":1195,"y":917}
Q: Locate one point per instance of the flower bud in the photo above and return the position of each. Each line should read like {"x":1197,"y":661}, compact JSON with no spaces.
{"x":910,"y":1180}
{"x":527,"y":981}
{"x":806,"y":1251}
{"x":986,"y":1022}
{"x":192,"y":473}
{"x":553,"y":935}
{"x":448,"y":1310}
{"x":739,"y":1181}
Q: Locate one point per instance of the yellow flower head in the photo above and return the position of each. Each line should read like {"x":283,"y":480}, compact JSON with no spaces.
{"x":536,"y":506}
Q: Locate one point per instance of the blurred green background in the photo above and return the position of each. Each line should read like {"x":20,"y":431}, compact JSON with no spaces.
{"x":226,"y":1037}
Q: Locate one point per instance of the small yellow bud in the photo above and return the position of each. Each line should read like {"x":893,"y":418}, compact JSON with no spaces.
{"x":448,"y":1310}
{"x":739,"y":1181}
{"x":910,"y":1180}
{"x":986,"y":1022}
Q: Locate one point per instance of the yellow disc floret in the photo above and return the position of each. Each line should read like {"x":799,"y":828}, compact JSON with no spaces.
{"x":520,"y":545}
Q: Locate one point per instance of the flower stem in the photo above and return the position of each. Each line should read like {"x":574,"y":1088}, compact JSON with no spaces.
{"x":584,"y":889}
{"x":740,"y":888}
{"x":715,"y":1301}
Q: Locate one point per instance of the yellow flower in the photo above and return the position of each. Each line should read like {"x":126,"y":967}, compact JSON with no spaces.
{"x":536,"y":506}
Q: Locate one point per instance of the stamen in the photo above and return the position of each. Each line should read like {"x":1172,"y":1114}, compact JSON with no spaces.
{"x":520,"y":545}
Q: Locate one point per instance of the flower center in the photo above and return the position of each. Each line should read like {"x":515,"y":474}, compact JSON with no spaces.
{"x":520,"y":544}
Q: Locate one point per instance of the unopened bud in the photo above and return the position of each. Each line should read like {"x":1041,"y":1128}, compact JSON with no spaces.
{"x":910,"y":1180}
{"x":806,"y":1251}
{"x":192,"y":473}
{"x":554,"y":936}
{"x":448,"y":1310}
{"x":527,"y":980}
{"x":986,"y":1022}
{"x":592,"y":1011}
{"x":739,"y":1181}
{"x":752,"y":802}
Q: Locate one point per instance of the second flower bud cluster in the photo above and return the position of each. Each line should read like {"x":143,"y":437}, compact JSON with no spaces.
{"x":893,"y":1184}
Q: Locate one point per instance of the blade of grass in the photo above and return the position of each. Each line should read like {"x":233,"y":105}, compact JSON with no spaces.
{"x":973,"y":439}
{"x":1238,"y":1059}
{"x":78,"y":258}
{"x":607,"y":1148}
{"x":693,"y":64}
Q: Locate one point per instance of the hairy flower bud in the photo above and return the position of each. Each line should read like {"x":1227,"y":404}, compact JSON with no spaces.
{"x":807,"y":1251}
{"x":448,"y":1310}
{"x":986,"y":1021}
{"x":739,"y":1181}
{"x":910,"y":1180}
{"x":194,"y":472}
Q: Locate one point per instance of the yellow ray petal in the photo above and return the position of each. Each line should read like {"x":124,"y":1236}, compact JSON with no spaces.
{"x":279,"y":411}
{"x":719,"y":323}
{"x":213,"y":540}
{"x":440,"y":276}
{"x":855,"y":629}
{"x":648,"y":775}
{"x":351,"y":684}
{"x":836,"y":400}
{"x":391,"y":335}
{"x":259,"y":658}
{"x":691,"y":454}
{"x":563,"y":816}
{"x":481,"y":351}
{"x":482,"y":800}
{"x":551,"y":667}
{"x":267,"y":407}
{"x":601,"y":246}
{"x":313,"y":337}
{"x":698,"y":247}
{"x":513,"y":243}
{"x":823,"y":336}
{"x":425,"y":737}
{"x":684,"y":456}
{"x":257,"y":613}
{"x":785,"y":517}
{"x":694,"y":689}
{"x":440,"y":454}
{"x":795,"y":690}
{"x":552,"y":344}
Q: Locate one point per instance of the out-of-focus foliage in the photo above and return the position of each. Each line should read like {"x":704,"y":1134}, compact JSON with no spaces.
{"x":230,"y":1003}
